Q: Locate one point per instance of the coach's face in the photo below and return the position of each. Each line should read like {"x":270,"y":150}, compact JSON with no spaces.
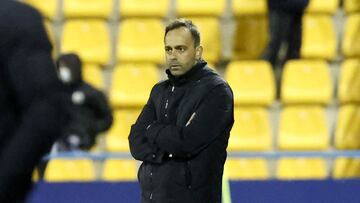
{"x":180,"y":51}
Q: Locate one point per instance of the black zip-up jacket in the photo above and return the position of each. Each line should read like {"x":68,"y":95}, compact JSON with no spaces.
{"x":181,"y":136}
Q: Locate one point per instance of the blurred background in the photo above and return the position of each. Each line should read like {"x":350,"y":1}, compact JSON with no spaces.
{"x":299,"y":123}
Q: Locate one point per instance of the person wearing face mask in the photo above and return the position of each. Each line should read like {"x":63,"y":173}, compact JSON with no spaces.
{"x":33,"y":108}
{"x":91,"y":113}
{"x":182,"y":133}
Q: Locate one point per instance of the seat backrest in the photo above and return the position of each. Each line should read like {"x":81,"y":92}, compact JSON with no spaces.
{"x":246,"y":169}
{"x":351,"y":38}
{"x":132,"y":84}
{"x":252,"y":82}
{"x":87,"y":9}
{"x":349,"y":81}
{"x":90,"y":39}
{"x":144,"y":8}
{"x":200,"y":8}
{"x":301,"y":168}
{"x":318,"y":7}
{"x":209,"y":29}
{"x":47,"y":8}
{"x":319,"y":39}
{"x":250,"y":37}
{"x":251,"y":130}
{"x":306,"y":82}
{"x":141,"y":40}
{"x":246,"y":7}
{"x":347,"y":133}
{"x":119,"y":170}
{"x":303,"y":128}
{"x":64,"y":170}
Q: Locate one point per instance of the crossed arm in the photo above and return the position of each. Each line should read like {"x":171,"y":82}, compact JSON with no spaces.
{"x":151,"y":139}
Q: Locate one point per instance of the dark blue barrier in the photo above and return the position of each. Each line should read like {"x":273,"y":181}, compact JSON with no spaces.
{"x":327,"y":191}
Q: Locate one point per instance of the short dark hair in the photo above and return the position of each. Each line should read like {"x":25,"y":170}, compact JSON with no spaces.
{"x":182,"y":22}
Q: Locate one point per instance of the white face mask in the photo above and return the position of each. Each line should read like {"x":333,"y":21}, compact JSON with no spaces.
{"x":65,"y":74}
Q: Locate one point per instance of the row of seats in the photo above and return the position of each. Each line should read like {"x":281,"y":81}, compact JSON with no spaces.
{"x":160,"y":8}
{"x":303,"y":82}
{"x":300,"y":128}
{"x":141,"y":40}
{"x":75,"y":170}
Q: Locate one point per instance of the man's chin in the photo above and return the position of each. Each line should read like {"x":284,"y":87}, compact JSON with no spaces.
{"x":176,"y":71}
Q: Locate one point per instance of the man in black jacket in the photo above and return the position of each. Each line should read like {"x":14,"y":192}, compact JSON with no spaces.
{"x":90,"y":112}
{"x":285,"y":24}
{"x":32,"y":108}
{"x":182,"y":132}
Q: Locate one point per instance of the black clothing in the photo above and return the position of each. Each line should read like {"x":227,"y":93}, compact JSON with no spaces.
{"x":90,"y":116}
{"x":285,"y":26}
{"x":91,"y":113}
{"x":32,"y":105}
{"x":181,"y":136}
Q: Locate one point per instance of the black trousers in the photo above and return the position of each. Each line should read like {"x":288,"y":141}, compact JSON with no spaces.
{"x":285,"y":27}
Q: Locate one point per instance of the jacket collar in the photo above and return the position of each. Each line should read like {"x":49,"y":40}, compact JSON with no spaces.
{"x":193,"y":74}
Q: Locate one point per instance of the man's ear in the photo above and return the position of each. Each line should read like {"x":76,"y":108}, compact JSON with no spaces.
{"x":198,"y":52}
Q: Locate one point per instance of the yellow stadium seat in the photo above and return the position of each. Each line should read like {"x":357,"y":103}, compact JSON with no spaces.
{"x":116,"y":139}
{"x":346,"y":168}
{"x":319,"y":39}
{"x":252,"y":82}
{"x":306,"y":82}
{"x":319,"y":7}
{"x":301,"y":168}
{"x":347,"y":133}
{"x":351,"y":39}
{"x":251,"y":130}
{"x":200,"y":7}
{"x":141,"y":40}
{"x":303,"y":128}
{"x":47,"y":8}
{"x":65,"y":170}
{"x":88,"y":38}
{"x":119,"y":170}
{"x":351,"y":6}
{"x":246,"y":169}
{"x":349,"y":81}
{"x":144,"y":8}
{"x":209,"y":29}
{"x":86,"y":8}
{"x":132,"y":84}
{"x":251,"y":37}
{"x":92,"y":74}
{"x":249,"y":7}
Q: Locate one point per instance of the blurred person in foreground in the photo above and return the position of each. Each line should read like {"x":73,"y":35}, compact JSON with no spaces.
{"x":285,"y":26}
{"x":182,"y":132}
{"x":32,"y":108}
{"x":90,"y":111}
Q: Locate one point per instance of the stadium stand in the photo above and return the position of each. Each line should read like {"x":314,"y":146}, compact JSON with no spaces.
{"x":126,"y":37}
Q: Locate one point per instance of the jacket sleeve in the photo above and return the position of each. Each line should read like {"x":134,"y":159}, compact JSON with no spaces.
{"x":140,"y":148}
{"x":213,"y":116}
{"x":102,"y":110}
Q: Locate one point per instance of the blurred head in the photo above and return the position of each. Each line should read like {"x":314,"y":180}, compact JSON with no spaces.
{"x":182,"y":46}
{"x":69,"y":68}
